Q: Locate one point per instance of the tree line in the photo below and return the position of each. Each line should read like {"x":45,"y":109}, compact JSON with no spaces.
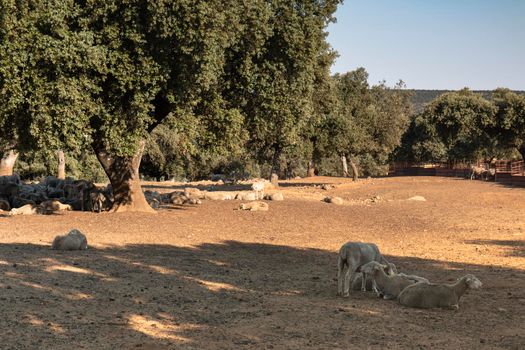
{"x":183,"y":89}
{"x":464,"y":126}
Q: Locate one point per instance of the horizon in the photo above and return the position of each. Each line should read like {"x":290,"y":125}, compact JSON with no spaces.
{"x":432,"y":45}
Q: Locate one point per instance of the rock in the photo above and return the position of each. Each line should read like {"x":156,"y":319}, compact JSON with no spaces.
{"x":418,"y":199}
{"x":334,"y":200}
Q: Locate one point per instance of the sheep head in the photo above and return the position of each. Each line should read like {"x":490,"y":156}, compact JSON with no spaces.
{"x":472,"y":282}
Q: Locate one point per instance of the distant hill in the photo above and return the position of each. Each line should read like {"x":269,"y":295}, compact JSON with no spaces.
{"x":422,"y":97}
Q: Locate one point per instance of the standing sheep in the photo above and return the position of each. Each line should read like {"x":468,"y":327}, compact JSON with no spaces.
{"x":258,"y":187}
{"x":74,"y":240}
{"x":426,"y":296}
{"x":353,"y":255}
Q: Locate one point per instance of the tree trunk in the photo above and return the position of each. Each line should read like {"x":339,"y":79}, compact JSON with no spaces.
{"x":123,"y":173}
{"x":311,"y":169}
{"x":345,"y":165}
{"x":7,"y":163}
{"x":61,"y":165}
{"x":355,"y":174}
{"x":521,"y":149}
{"x":276,"y":162}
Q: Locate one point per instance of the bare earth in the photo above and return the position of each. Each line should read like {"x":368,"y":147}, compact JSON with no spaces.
{"x":211,"y":277}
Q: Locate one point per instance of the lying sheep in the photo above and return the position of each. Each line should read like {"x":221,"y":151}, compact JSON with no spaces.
{"x":54,"y":205}
{"x":425,"y":295}
{"x":28,"y":209}
{"x":220,"y":196}
{"x":414,"y":278}
{"x":389,"y":286}
{"x":357,"y":281}
{"x":254,"y":206}
{"x":74,"y":240}
{"x":274,"y":197}
{"x":191,"y":192}
{"x":246,"y":196}
{"x":353,"y":255}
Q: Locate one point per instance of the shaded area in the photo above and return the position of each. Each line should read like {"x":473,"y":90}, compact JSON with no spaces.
{"x":234,"y":295}
{"x":514,"y":247}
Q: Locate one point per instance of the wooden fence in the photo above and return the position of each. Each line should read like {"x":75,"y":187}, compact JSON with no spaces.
{"x":507,"y":172}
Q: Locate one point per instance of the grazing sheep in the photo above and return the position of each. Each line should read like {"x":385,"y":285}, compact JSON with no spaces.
{"x":352,"y":255}
{"x":74,"y":240}
{"x":425,"y":295}
{"x":334,"y":200}
{"x":389,"y":286}
{"x":28,"y":209}
{"x":254,"y":206}
{"x":52,"y":206}
{"x":274,"y":197}
{"x":258,"y":187}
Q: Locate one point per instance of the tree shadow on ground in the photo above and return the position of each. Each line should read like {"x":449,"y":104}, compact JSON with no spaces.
{"x":234,"y":295}
{"x":514,"y":247}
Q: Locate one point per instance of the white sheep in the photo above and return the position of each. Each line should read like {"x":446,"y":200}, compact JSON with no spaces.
{"x":258,"y":187}
{"x":246,"y":196}
{"x":389,"y":286}
{"x":254,"y":206}
{"x":54,"y":205}
{"x":28,"y":209}
{"x":353,"y":255}
{"x":74,"y":240}
{"x":278,"y":196}
{"x":429,"y":295}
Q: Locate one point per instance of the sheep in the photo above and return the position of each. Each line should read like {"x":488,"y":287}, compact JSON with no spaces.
{"x":258,"y":187}
{"x":389,"y":286}
{"x":334,"y":200}
{"x":98,"y":200}
{"x":246,"y":196}
{"x":193,"y":193}
{"x":254,"y":206}
{"x":28,"y":209}
{"x":352,"y":255}
{"x":274,"y":197}
{"x":429,"y":295}
{"x":74,"y":240}
{"x":193,"y":201}
{"x":54,"y":205}
{"x":414,"y":278}
{"x":478,"y":171}
{"x":220,"y":196}
{"x":357,"y":280}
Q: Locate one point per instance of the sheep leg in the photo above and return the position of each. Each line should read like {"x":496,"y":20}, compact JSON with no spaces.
{"x":340,"y":266}
{"x":363,"y":282}
{"x":374,"y":287}
{"x":348,"y":274}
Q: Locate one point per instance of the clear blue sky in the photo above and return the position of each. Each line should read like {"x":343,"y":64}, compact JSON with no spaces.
{"x":433,"y":44}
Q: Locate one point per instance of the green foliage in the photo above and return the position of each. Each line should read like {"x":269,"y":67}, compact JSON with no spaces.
{"x":362,"y":122}
{"x":454,"y":127}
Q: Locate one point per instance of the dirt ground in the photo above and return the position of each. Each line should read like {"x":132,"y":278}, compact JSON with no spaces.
{"x":212,"y":277}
